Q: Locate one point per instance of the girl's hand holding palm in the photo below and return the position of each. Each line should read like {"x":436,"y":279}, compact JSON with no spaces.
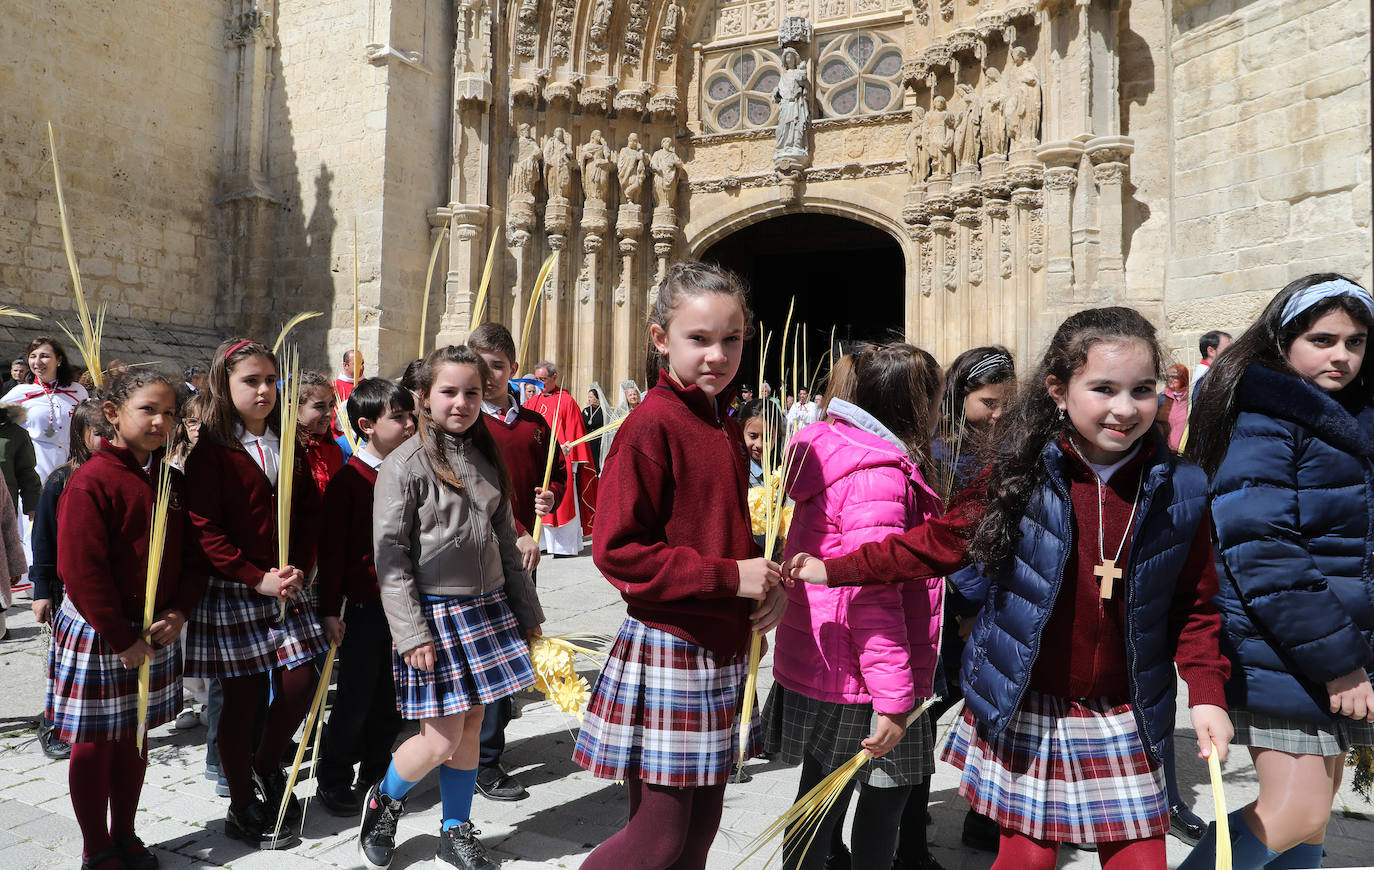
{"x":167,"y":627}
{"x":135,"y":655}
{"x":756,"y":577}
{"x":806,"y":568}
{"x":1351,"y":695}
{"x":768,"y":615}
{"x":1212,"y":726}
{"x":891,"y":729}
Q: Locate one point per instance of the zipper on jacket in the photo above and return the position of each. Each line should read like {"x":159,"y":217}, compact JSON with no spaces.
{"x":477,"y":529}
{"x":1132,"y":654}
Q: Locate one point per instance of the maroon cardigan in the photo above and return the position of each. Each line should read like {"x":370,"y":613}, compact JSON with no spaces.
{"x":524,"y":447}
{"x":345,"y":561}
{"x":104,"y":519}
{"x":673,"y":517}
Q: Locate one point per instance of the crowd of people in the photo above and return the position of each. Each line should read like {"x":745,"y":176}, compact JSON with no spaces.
{"x":1041,"y":551}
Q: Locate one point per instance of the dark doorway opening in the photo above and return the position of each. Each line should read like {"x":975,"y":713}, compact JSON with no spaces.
{"x":843,"y":274}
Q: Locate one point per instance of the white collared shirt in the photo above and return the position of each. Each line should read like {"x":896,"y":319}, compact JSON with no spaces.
{"x":366,"y":456}
{"x":265,"y":449}
{"x":505,"y":416}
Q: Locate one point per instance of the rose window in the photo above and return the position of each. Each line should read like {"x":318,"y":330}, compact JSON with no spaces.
{"x":737,"y":93}
{"x":859,"y":74}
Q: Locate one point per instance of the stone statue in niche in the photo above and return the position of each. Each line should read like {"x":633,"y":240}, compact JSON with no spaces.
{"x":938,"y":134}
{"x":529,"y":160}
{"x":672,"y":20}
{"x":966,"y":128}
{"x":794,"y":113}
{"x":1023,"y":102}
{"x":595,"y":159}
{"x":529,"y":12}
{"x":558,"y":156}
{"x":917,"y":160}
{"x":667,"y":169}
{"x":630,"y":168}
{"x":993,"y":126}
{"x":601,"y":20}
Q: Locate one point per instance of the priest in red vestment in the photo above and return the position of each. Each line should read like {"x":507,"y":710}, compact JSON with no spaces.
{"x":343,"y":386}
{"x":564,"y":528}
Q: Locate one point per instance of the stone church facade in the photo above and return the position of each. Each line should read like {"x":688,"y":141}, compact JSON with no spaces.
{"x":226,"y":160}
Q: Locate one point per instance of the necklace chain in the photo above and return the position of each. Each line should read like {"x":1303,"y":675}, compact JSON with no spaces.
{"x":1101,"y":497}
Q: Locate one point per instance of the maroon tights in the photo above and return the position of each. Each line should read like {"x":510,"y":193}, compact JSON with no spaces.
{"x":669,"y":829}
{"x":242,"y":695}
{"x":105,"y":777}
{"x":1019,"y":852}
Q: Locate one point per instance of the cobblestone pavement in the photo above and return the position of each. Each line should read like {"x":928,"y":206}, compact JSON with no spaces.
{"x":565,"y":816}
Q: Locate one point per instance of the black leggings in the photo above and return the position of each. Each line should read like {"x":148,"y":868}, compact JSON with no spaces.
{"x":873,"y":836}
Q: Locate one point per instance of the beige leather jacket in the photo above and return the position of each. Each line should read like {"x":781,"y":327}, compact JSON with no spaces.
{"x":429,"y":539}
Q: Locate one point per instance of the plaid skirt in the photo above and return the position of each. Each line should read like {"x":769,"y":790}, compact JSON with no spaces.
{"x":1297,"y":737}
{"x":832,"y":733}
{"x":91,"y":697}
{"x":236,"y":632}
{"x":1070,"y":771}
{"x":666,"y":711}
{"x":480,"y":656}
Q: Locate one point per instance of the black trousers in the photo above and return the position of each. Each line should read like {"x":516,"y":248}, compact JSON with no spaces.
{"x":494,"y":721}
{"x":363,"y":726}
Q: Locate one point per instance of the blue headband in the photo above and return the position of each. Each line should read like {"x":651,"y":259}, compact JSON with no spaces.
{"x":1305,"y":299}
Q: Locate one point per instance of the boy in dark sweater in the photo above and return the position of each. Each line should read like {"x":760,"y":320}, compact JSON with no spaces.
{"x":366,"y":722}
{"x":522,"y":436}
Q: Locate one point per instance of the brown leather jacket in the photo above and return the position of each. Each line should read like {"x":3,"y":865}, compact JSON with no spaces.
{"x":429,"y":539}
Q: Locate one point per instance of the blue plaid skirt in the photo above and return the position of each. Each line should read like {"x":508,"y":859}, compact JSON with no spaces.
{"x":480,"y":656}
{"x":666,"y":711}
{"x":236,"y":632}
{"x":91,"y":696}
{"x":1070,"y":771}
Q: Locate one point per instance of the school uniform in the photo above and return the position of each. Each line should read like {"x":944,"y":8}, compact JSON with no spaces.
{"x":674,"y":523}
{"x":104,"y":521}
{"x":366,"y":723}
{"x":231,"y":497}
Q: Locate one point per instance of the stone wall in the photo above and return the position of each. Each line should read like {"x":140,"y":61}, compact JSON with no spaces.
{"x":1271,"y":155}
{"x":133,"y":92}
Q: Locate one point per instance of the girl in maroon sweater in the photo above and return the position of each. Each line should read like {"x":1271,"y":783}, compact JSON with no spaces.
{"x":104,"y":529}
{"x":237,"y":635}
{"x":673,"y":536}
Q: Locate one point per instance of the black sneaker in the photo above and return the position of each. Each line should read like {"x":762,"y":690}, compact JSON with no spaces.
{"x":270,"y":787}
{"x":136,"y":855}
{"x":460,"y":848}
{"x":53,"y":748}
{"x":254,"y":825}
{"x":981,"y":832}
{"x":346,"y":801}
{"x":497,"y":785}
{"x":109,"y":859}
{"x":377,"y":832}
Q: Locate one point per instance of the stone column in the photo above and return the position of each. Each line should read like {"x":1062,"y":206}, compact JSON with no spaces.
{"x":664,"y":233}
{"x":1061,"y":161}
{"x":466,"y":254}
{"x":1028,"y":256}
{"x":586,"y":321}
{"x":629,"y":229}
{"x":1110,"y":156}
{"x":557,"y":226}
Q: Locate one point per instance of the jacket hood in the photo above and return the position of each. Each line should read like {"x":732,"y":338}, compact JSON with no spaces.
{"x":13,"y":413}
{"x":1288,"y":397}
{"x":851,"y":441}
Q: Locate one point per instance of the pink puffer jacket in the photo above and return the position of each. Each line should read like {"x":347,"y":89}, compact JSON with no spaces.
{"x":853,"y":483}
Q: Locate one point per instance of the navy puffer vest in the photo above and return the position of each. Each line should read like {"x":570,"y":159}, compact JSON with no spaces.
{"x":1294,"y":512}
{"x":1006,"y":636}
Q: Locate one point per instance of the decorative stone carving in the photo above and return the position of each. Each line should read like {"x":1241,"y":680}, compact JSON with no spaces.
{"x":597,"y":98}
{"x":558,"y":162}
{"x":938,"y":136}
{"x":966,"y":124}
{"x":917,"y":160}
{"x":594,"y":158}
{"x":665,"y":106}
{"x":601,"y":20}
{"x":630,"y":170}
{"x":634,"y":101}
{"x":1036,"y":247}
{"x":564,"y":14}
{"x":924,"y":239}
{"x":922,"y":10}
{"x":993,"y":126}
{"x":560,"y":93}
{"x":527,"y":28}
{"x":667,"y":169}
{"x":947,"y":9}
{"x":1023,"y":102}
{"x":529,"y":160}
{"x":794,"y":32}
{"x":794,"y":113}
{"x":632,"y":48}
{"x":524,"y":92}
{"x":975,"y":256}
{"x":668,"y":31}
{"x":949,"y":273}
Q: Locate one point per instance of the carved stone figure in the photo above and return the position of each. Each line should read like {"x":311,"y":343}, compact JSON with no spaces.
{"x":966,"y":127}
{"x":1023,"y":102}
{"x":601,"y":19}
{"x":529,"y":11}
{"x":629,"y":163}
{"x":594,"y":157}
{"x":672,"y":20}
{"x":667,"y":168}
{"x":917,"y":160}
{"x":938,"y":135}
{"x":794,"y":112}
{"x":529,"y":160}
{"x":558,"y":156}
{"x":993,"y":125}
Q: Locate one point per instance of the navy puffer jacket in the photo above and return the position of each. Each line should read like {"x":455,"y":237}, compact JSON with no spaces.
{"x":1293,"y":503}
{"x":997,"y":662}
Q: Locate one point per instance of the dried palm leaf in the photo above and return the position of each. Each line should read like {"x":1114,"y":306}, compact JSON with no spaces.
{"x":157,"y":541}
{"x":292,"y":324}
{"x":536,"y":293}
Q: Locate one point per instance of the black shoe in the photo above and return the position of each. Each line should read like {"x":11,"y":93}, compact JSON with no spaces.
{"x":346,"y":801}
{"x":288,"y":755}
{"x":840,"y":860}
{"x":377,"y":832}
{"x":460,"y":848}
{"x":497,"y":785}
{"x":136,"y":855}
{"x":1185,"y":824}
{"x":270,"y":787}
{"x":55,"y":749}
{"x":254,"y":825}
{"x":981,"y":832}
{"x":739,"y":774}
{"x":923,"y":862}
{"x":109,"y":859}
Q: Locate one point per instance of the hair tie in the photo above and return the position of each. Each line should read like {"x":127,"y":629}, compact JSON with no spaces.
{"x":230,"y":352}
{"x":987,"y":364}
{"x":1305,"y":299}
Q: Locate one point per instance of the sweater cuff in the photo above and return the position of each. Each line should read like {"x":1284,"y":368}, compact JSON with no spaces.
{"x":843,"y":571}
{"x":720,"y":578}
{"x":119,"y":636}
{"x":1206,"y":687}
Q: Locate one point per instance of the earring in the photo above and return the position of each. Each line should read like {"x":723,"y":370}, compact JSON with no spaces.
{"x":1062,"y":415}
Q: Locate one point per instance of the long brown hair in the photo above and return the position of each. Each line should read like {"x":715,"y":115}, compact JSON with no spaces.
{"x":435,"y":438}
{"x":898,"y":384}
{"x":65,"y":373}
{"x":220,"y":416}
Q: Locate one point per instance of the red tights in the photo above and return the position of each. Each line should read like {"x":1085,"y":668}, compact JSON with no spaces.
{"x":1019,"y":852}
{"x":669,"y":829}
{"x":105,"y":777}
{"x":242,"y":696}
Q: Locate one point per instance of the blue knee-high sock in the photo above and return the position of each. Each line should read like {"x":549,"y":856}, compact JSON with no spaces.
{"x":1247,"y":850}
{"x":455,"y":791}
{"x":1303,"y":856}
{"x":393,"y":785}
